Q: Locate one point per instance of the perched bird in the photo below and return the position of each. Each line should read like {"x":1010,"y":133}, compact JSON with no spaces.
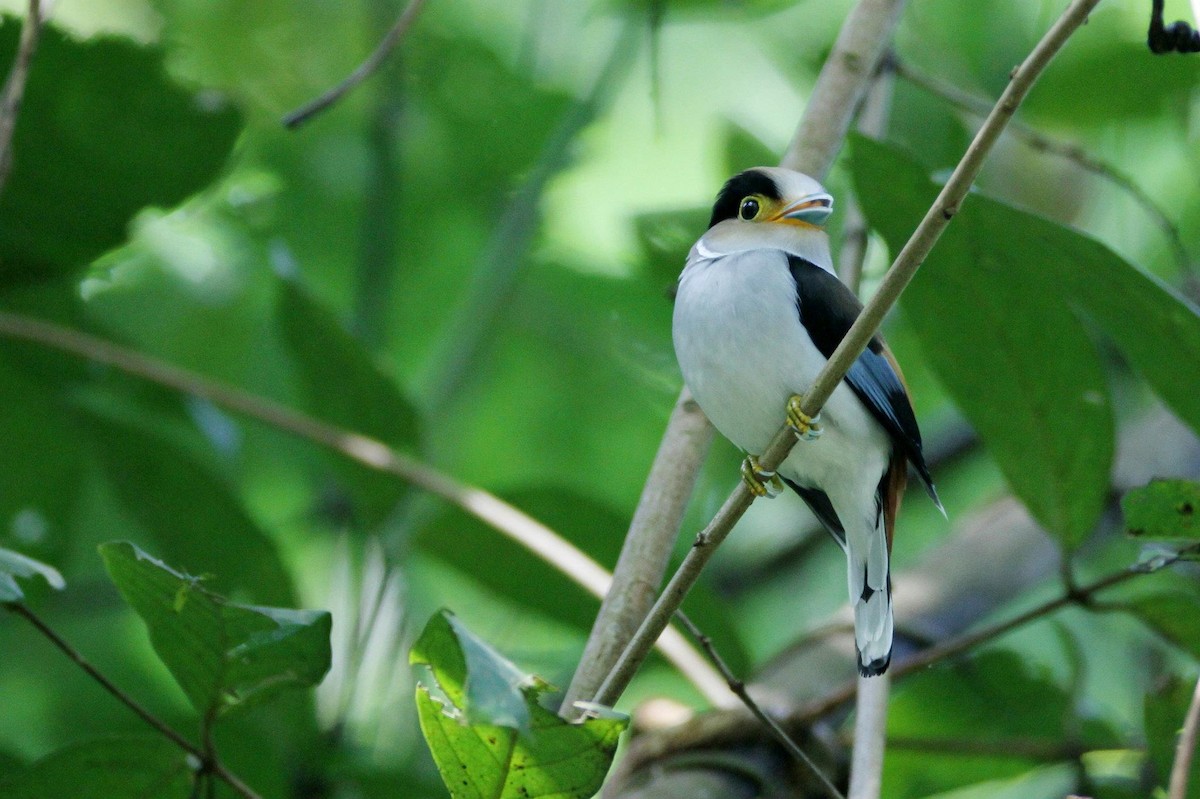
{"x":758,"y":312}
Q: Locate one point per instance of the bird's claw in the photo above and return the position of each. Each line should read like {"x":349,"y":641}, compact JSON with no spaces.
{"x":806,"y":428}
{"x":761,"y":482}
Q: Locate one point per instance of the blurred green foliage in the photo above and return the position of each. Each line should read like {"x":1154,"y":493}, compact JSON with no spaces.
{"x":470,"y":258}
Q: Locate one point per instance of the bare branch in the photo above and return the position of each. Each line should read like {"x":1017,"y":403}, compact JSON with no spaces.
{"x":491,"y":510}
{"x":14,"y":87}
{"x":365,"y":70}
{"x":905,"y":266}
{"x":738,"y":687}
{"x":1185,"y":749}
{"x":870,"y":734}
{"x":210,"y":764}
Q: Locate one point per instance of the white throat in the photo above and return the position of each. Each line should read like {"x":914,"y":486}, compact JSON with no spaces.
{"x":733,"y":236}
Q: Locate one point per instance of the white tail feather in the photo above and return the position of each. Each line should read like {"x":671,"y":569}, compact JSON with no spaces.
{"x":871,"y":597}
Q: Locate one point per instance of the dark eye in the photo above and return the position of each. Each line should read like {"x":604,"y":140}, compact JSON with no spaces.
{"x":748,"y":209}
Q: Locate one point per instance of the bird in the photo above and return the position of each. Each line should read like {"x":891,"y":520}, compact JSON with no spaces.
{"x":758,"y":312}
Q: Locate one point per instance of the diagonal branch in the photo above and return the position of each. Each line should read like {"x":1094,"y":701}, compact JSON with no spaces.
{"x":1042,"y":143}
{"x":897,"y":278}
{"x":210,"y":762}
{"x":488,"y":508}
{"x":1185,"y":749}
{"x":14,"y":87}
{"x":365,"y":70}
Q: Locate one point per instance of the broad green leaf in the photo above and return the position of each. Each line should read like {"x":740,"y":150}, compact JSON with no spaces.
{"x":490,"y":737}
{"x":223,"y":655}
{"x":1173,"y":614}
{"x":989,"y":309}
{"x":194,"y":517}
{"x":103,"y":132}
{"x":1166,"y":707}
{"x":14,"y":565}
{"x":125,"y":767}
{"x":1163,"y":509}
{"x":346,"y":387}
{"x":940,"y":703}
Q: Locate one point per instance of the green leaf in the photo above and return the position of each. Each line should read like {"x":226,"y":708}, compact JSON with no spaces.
{"x":223,"y":655}
{"x":104,"y":109}
{"x":989,"y":310}
{"x":940,"y":703}
{"x":1163,"y":509}
{"x":346,"y":387}
{"x":1166,"y":707}
{"x":184,"y":506}
{"x":14,"y":565}
{"x":1173,"y":614}
{"x":489,"y":735}
{"x":125,"y":767}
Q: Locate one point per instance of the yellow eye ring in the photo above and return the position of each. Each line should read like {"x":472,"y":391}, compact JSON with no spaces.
{"x":749,"y":209}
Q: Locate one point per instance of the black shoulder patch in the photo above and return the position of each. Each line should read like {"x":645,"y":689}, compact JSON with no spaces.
{"x":827,"y":309}
{"x":737,"y":188}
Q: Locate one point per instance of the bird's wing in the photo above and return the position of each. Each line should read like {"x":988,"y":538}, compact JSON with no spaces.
{"x":827,"y":309}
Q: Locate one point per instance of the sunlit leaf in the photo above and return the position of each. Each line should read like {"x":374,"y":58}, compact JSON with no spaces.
{"x":127,"y":767}
{"x":103,"y":132}
{"x":1163,"y":509}
{"x":489,"y":735}
{"x":223,"y":655}
{"x":14,"y":565}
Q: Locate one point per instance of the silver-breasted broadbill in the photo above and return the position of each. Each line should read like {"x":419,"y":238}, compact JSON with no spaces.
{"x":758,"y":312}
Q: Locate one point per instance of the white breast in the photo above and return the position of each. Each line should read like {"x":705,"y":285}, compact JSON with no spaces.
{"x":744,"y":352}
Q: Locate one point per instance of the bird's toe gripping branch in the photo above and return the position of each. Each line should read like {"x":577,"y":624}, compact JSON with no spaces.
{"x":761,"y":482}
{"x":807,"y":428}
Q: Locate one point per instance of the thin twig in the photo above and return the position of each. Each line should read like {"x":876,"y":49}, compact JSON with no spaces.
{"x":685,"y":443}
{"x":897,"y":278}
{"x":872,"y":121}
{"x":728,"y":727}
{"x":491,"y":510}
{"x":211,"y":765}
{"x":1186,"y":747}
{"x":1042,"y":143}
{"x":365,"y":70}
{"x":738,"y":687}
{"x":14,"y":87}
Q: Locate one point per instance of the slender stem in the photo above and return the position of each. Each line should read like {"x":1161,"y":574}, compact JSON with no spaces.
{"x":1040,"y":142}
{"x":738,"y":687}
{"x":210,"y":764}
{"x":907,"y":262}
{"x":870,"y":737}
{"x":14,"y":87}
{"x":655,"y":526}
{"x":1185,"y":749}
{"x":491,"y":510}
{"x":872,"y":121}
{"x":730,"y":728}
{"x":365,"y":70}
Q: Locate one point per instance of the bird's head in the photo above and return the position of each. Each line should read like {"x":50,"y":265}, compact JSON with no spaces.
{"x":773,"y":196}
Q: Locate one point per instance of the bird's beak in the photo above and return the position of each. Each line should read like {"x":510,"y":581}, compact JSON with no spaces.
{"x":812,"y":211}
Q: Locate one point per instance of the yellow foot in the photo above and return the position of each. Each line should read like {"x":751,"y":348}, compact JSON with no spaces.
{"x":807,"y":428}
{"x":761,"y":482}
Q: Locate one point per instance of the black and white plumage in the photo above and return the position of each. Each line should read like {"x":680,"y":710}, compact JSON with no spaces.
{"x":758,"y":312}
